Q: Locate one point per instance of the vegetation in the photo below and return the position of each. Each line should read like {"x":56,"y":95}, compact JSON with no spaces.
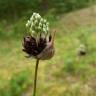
{"x":67,"y":74}
{"x":18,"y":8}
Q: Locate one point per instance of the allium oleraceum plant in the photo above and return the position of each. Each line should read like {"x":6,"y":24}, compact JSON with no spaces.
{"x":40,"y":43}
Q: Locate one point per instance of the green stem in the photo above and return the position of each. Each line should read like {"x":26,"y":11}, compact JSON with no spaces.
{"x":35,"y":79}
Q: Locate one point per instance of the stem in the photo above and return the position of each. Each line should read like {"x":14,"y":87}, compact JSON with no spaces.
{"x":35,"y":79}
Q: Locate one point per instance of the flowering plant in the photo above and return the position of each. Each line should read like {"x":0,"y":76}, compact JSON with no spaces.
{"x":40,"y":42}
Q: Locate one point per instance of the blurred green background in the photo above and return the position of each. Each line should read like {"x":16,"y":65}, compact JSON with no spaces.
{"x":66,"y":74}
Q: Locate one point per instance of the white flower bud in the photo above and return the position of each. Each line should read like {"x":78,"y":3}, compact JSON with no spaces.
{"x":38,"y":16}
{"x":40,"y":24}
{"x":31,"y":19}
{"x":41,"y":20}
{"x":26,"y":24}
{"x":34,"y":14}
{"x":47,"y":28}
{"x":37,"y":25}
{"x":32,"y":24}
{"x":44,"y":29}
{"x":44,"y":21}
{"x":44,"y":26}
{"x":33,"y":32}
{"x":35,"y":22}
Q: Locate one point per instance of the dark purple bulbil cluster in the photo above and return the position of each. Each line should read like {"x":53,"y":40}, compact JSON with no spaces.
{"x":31,"y":47}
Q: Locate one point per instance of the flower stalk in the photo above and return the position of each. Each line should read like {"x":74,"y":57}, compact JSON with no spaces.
{"x":35,"y":77}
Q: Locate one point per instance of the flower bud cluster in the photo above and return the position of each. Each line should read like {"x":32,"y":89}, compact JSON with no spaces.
{"x":37,"y":26}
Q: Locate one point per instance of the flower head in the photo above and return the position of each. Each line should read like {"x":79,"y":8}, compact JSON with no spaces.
{"x":39,"y":43}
